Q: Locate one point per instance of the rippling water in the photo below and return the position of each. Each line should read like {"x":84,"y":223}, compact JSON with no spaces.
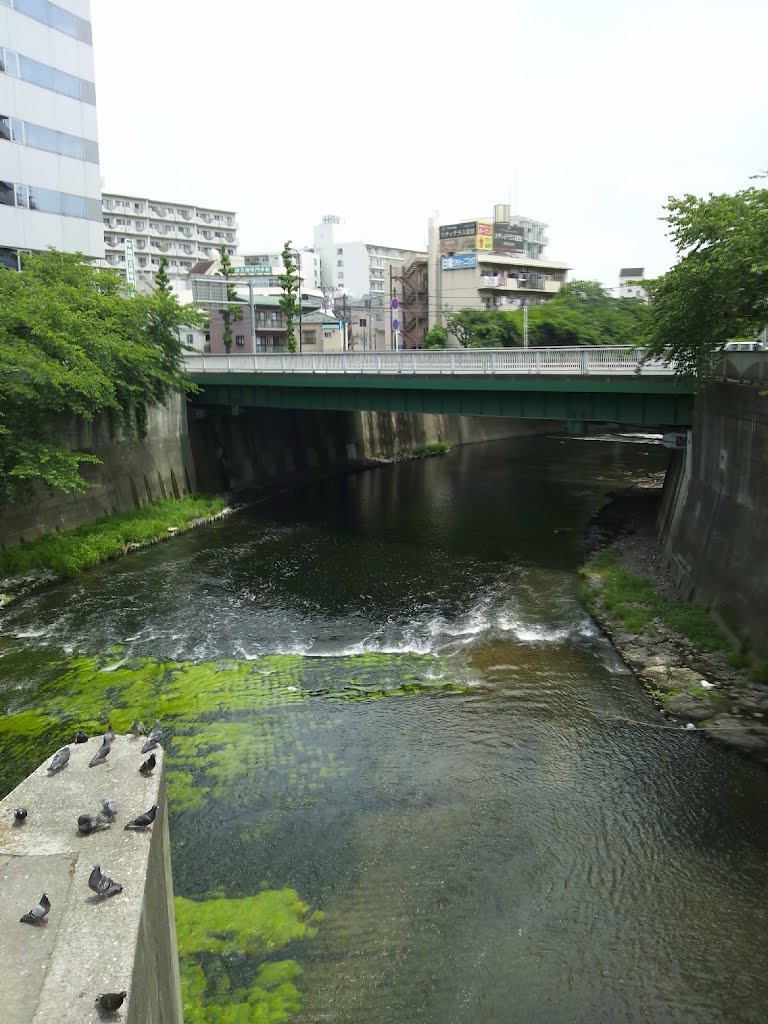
{"x":430,"y":743}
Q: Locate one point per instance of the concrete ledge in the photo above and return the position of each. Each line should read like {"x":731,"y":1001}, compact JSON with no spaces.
{"x":52,"y":974}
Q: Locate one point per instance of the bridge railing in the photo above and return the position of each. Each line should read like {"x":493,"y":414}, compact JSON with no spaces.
{"x":576,"y":360}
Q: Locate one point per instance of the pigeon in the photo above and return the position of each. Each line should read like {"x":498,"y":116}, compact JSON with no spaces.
{"x":81,"y":737}
{"x":102,"y":884}
{"x":706,"y":686}
{"x":59,"y":761}
{"x":149,"y":765}
{"x":101,"y":754}
{"x":137,"y":729}
{"x":110,"y":1002}
{"x":109,"y":807}
{"x":38,"y":914}
{"x":109,"y":735}
{"x":154,"y":738}
{"x":20,"y":815}
{"x":88,"y":823}
{"x":144,"y":820}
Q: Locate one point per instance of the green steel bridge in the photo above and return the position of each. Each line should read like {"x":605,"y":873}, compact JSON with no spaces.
{"x":575,"y":385}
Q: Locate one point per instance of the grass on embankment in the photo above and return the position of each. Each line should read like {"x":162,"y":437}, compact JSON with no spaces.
{"x":69,"y":553}
{"x":633,"y":602}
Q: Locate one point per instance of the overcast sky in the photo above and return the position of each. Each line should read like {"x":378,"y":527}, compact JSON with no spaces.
{"x":583,"y":115}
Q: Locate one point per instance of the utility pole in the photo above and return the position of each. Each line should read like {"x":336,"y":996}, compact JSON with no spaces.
{"x":525,"y":324}
{"x":391,"y":313}
{"x":345,"y":320}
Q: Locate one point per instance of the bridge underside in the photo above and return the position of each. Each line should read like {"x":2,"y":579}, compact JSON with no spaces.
{"x":640,"y":401}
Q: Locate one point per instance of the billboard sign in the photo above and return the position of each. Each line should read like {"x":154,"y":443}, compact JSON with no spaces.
{"x":509,"y":239}
{"x":467,"y":227}
{"x":459,"y":237}
{"x":254,"y":271}
{"x":130,"y":264}
{"x":464,"y":261}
{"x":484,"y":236}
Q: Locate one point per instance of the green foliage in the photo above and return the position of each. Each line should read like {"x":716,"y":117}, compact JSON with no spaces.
{"x":433,"y":448}
{"x":436,"y":337}
{"x":633,"y":602}
{"x":232,"y":313}
{"x":72,"y":343}
{"x":737,"y":659}
{"x":584,"y":313}
{"x":483,"y":328}
{"x":289,"y":304}
{"x":67,"y":554}
{"x":759,"y":673}
{"x":717,"y":289}
{"x":162,"y":281}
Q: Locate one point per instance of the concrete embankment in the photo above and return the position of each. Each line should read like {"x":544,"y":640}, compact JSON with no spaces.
{"x":131,"y":474}
{"x":52,"y":974}
{"x":678,"y":655}
{"x":714,"y":519}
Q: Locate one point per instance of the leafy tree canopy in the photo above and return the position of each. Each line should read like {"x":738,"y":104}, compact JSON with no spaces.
{"x":232,"y":313}
{"x":73,"y":344}
{"x":482,"y":328}
{"x":719,"y":287}
{"x":585,"y":313}
{"x":289,"y":303}
{"x":436,"y":337}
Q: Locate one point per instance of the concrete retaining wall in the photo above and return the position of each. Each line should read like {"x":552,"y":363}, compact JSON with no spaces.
{"x":130,"y":475}
{"x":714,"y":519}
{"x":53,"y":974}
{"x":261,"y":446}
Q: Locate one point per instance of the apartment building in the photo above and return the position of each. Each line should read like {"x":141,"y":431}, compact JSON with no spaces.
{"x":263,"y":271}
{"x":138,"y":231}
{"x":50,"y":184}
{"x":629,"y":284}
{"x":356,"y":268}
{"x":490,"y":264}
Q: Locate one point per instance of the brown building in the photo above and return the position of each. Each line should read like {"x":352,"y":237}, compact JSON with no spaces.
{"x":268,"y":330}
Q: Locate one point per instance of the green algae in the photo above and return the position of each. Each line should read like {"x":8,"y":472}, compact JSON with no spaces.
{"x":223,"y":945}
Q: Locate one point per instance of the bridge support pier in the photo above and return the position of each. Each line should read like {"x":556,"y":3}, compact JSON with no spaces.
{"x":576,"y":428}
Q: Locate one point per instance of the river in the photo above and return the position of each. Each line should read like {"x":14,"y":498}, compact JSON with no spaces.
{"x":409,"y":779}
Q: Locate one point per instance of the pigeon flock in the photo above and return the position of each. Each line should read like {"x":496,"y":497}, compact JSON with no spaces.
{"x":102,"y":885}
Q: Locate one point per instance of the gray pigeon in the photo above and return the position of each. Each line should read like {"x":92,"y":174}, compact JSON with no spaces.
{"x":110,"y":1002}
{"x":109,"y":807}
{"x":109,"y":735}
{"x":101,"y":754}
{"x":144,"y":820}
{"x":137,"y":728}
{"x":88,"y":823}
{"x":38,"y":914}
{"x":59,"y":761}
{"x":20,"y":815}
{"x":148,"y":766}
{"x":81,"y":737}
{"x":102,"y":884}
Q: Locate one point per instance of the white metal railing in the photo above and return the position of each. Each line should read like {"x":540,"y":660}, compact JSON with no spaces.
{"x":469,"y":361}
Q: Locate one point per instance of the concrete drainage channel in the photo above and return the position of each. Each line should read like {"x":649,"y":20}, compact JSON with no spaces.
{"x":53,"y":973}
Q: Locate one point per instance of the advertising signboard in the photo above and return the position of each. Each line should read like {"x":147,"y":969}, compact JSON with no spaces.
{"x":484,"y":236}
{"x":130,"y":264}
{"x":464,"y":261}
{"x":508,"y":239}
{"x":458,"y":237}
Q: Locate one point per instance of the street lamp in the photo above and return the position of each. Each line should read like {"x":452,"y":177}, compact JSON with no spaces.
{"x":298,"y":267}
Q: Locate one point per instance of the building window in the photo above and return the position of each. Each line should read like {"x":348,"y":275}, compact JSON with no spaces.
{"x":240,"y":340}
{"x":339,"y":252}
{"x":9,"y":258}
{"x":47,"y":77}
{"x":307,"y":337}
{"x":54,"y":16}
{"x":327,"y":334}
{"x":47,"y":200}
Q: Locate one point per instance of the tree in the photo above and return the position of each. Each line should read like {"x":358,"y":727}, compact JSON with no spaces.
{"x":482,"y":328}
{"x":436,"y":337}
{"x":73,"y":344}
{"x":162,"y":281}
{"x":718,"y":289}
{"x":584,"y":313}
{"x":289,"y":282}
{"x":231,"y":313}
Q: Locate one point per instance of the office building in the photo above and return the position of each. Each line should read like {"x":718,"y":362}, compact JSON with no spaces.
{"x":50,"y":184}
{"x":138,"y":231}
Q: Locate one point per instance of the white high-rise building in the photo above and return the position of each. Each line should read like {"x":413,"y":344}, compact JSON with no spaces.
{"x":630,"y":286}
{"x":356,"y":268}
{"x":50,"y":185}
{"x":182,"y":233}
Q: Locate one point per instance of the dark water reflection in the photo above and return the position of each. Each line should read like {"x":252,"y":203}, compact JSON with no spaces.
{"x":535,"y":849}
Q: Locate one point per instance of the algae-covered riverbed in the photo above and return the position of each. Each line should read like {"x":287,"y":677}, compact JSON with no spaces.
{"x":408,"y":780}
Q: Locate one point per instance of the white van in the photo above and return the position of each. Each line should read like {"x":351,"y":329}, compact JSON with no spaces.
{"x":745,"y":346}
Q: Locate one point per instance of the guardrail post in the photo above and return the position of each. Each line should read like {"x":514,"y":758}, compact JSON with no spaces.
{"x":584,"y":359}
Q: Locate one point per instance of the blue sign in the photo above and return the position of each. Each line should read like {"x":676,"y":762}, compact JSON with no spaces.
{"x":395,"y":325}
{"x":394,"y":303}
{"x":464,"y":261}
